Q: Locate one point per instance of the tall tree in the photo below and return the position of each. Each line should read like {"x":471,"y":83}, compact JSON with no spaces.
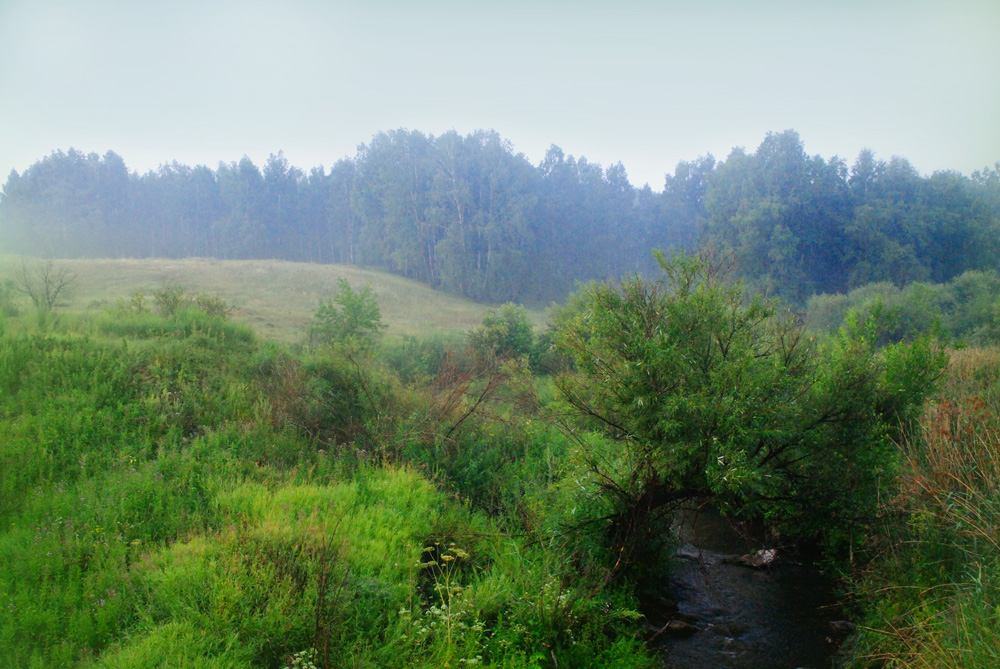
{"x":280,"y":208}
{"x":242,"y":229}
{"x":391,"y":188}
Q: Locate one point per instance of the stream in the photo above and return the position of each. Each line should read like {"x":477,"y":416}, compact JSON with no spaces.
{"x":719,"y":612}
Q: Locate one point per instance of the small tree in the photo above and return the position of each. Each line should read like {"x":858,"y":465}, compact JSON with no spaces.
{"x":712,"y":394}
{"x":351,"y":317}
{"x":505,"y":333}
{"x":44,"y":284}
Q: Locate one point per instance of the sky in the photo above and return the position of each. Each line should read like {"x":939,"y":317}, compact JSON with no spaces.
{"x":647,"y":84}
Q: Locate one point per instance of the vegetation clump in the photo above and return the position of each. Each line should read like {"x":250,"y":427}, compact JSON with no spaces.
{"x":709,"y":393}
{"x":930,"y":597}
{"x":505,"y":333}
{"x":965,"y":310}
{"x":351,"y":318}
{"x":174,"y":490}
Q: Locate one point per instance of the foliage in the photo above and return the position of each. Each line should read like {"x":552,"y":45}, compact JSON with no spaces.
{"x":468,"y":215}
{"x":713,"y":394}
{"x":356,"y":322}
{"x":931,"y":597}
{"x":965,"y":309}
{"x":423,"y":358}
{"x":173,"y":491}
{"x":8,"y":300}
{"x":505,"y":333}
{"x":170,"y":300}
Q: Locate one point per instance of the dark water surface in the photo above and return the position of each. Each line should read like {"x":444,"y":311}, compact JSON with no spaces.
{"x":729,"y":615}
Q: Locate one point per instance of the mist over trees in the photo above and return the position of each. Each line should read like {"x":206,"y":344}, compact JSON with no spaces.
{"x":468,"y":215}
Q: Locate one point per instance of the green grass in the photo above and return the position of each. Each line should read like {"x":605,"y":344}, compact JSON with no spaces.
{"x":175,"y":492}
{"x":276,"y":298}
{"x":933,"y":594}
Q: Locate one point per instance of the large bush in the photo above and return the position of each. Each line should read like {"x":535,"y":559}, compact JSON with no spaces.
{"x":712,"y":394}
{"x":505,"y":333}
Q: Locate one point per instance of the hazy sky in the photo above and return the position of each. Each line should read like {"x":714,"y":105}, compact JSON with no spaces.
{"x":644,"y":83}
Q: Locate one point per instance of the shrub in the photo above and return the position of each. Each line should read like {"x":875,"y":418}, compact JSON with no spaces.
{"x":505,"y":333}
{"x":713,"y":394}
{"x":168,"y":300}
{"x":351,"y":318}
{"x":424,"y":358}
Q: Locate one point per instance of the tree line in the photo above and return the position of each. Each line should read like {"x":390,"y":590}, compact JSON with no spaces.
{"x":468,"y":215}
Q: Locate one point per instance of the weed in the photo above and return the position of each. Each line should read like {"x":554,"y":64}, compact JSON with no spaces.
{"x":935,"y":591}
{"x":174,"y":492}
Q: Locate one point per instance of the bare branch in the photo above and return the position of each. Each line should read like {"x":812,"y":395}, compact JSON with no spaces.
{"x":44,"y":283}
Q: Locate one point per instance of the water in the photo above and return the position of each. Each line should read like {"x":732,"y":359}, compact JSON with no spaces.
{"x":740,"y":617}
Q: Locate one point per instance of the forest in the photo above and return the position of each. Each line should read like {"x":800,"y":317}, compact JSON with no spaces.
{"x":469,"y":216}
{"x":806,"y":349}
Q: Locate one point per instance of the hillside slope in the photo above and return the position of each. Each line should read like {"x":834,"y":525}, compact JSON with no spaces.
{"x":276,"y":298}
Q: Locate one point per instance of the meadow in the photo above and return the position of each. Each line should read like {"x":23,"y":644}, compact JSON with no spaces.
{"x":182,"y":487}
{"x":276,"y":298}
{"x":177,"y":491}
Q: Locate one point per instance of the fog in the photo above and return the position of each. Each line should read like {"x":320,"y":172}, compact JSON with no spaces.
{"x":644,"y":83}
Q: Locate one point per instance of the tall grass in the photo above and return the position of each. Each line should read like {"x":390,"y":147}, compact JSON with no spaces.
{"x":936,"y":591}
{"x":175,"y":493}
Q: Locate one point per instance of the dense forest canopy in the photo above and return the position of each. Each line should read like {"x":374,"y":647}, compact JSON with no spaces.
{"x":470,"y":216}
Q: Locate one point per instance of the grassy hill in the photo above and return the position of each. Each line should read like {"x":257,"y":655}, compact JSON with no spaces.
{"x":276,"y":298}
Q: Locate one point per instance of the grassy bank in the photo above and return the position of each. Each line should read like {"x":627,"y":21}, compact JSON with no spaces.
{"x":933,"y":593}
